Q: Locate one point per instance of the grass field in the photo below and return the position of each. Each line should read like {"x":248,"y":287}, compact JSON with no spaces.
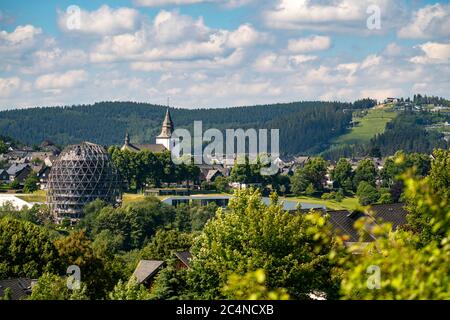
{"x":370,"y":125}
{"x":348,"y":203}
{"x":38,"y":196}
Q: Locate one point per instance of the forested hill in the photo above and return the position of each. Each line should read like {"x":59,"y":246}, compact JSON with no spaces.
{"x":306,"y":127}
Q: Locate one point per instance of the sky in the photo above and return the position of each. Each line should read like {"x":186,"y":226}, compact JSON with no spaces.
{"x":221,"y":53}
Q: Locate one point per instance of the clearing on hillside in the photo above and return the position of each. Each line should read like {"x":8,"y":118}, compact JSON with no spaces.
{"x":372,"y":123}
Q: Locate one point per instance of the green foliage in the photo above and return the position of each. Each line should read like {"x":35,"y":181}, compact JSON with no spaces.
{"x":385,"y":198}
{"x":170,"y":283}
{"x":3,"y":147}
{"x":310,"y":190}
{"x":107,"y":122}
{"x":31,"y":183}
{"x":37,"y":214}
{"x":342,"y":175}
{"x":337,"y":196}
{"x":26,"y":250}
{"x":221,"y":184}
{"x":129,"y":291}
{"x":246,"y":172}
{"x":406,"y":272}
{"x":6,"y":294}
{"x":164,"y":243}
{"x":397,"y":165}
{"x":291,"y":248}
{"x":365,"y":172}
{"x":251,"y":286}
{"x":311,"y":177}
{"x":413,"y":264}
{"x":76,"y":249}
{"x":193,"y":217}
{"x":143,"y":167}
{"x":429,"y":200}
{"x":407,"y":133}
{"x":135,"y":222}
{"x":367,"y":193}
{"x":52,"y":287}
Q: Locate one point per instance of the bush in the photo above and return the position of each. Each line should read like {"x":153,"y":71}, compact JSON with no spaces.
{"x":367,"y":193}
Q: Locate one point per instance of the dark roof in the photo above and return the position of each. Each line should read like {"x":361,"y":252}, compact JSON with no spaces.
{"x":155,"y":148}
{"x":147,"y":269}
{"x":16,"y":168}
{"x":343,"y":221}
{"x":212,"y":173}
{"x":184,"y":257}
{"x":20,"y":288}
{"x":393,"y":213}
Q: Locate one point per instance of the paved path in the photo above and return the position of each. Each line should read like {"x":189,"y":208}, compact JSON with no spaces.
{"x":16,"y":202}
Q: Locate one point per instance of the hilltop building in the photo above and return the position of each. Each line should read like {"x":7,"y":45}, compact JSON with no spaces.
{"x":164,"y":141}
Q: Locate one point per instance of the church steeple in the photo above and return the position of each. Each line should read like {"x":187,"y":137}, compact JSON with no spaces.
{"x":167,"y":127}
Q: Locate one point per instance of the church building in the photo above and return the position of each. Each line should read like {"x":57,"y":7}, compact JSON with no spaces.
{"x":164,"y":141}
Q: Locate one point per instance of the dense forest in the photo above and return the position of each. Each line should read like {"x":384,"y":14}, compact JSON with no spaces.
{"x":306,"y":127}
{"x":407,"y":132}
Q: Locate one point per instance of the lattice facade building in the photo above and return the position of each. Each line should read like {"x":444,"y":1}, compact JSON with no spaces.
{"x":82,"y":174}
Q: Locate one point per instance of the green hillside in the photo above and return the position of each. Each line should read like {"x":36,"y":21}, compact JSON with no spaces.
{"x":368,"y":126}
{"x":305,"y":127}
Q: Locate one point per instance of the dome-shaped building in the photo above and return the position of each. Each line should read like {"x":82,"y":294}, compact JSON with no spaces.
{"x":81,"y":174}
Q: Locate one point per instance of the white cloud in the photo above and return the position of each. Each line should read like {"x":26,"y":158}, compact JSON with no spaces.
{"x":393,"y":50}
{"x":310,"y":44}
{"x":20,"y":34}
{"x":272,"y":62}
{"x":172,"y":36}
{"x":371,"y":61}
{"x":432,"y":21}
{"x":434,"y":53}
{"x":23,"y":37}
{"x":103,"y":21}
{"x":328,"y":15}
{"x":172,"y":27}
{"x":156,"y":3}
{"x":246,"y":36}
{"x":47,"y":59}
{"x":8,"y":86}
{"x":67,"y":79}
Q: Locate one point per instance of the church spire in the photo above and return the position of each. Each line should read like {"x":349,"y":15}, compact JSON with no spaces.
{"x":167,"y":127}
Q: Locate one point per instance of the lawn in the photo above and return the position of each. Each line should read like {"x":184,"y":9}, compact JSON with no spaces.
{"x":368,"y":126}
{"x":348,"y":203}
{"x":38,"y":196}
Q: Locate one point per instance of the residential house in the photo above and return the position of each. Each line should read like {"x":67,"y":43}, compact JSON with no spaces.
{"x":146,"y":271}
{"x":19,"y":172}
{"x":212,"y":175}
{"x":183,"y":260}
{"x":4,"y":176}
{"x":343,"y":221}
{"x":19,"y":289}
{"x":43,"y":176}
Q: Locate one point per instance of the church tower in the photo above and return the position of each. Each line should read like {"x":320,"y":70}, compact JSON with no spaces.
{"x":165,"y":138}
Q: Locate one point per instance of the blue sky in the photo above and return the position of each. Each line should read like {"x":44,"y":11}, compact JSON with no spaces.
{"x":216,"y":53}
